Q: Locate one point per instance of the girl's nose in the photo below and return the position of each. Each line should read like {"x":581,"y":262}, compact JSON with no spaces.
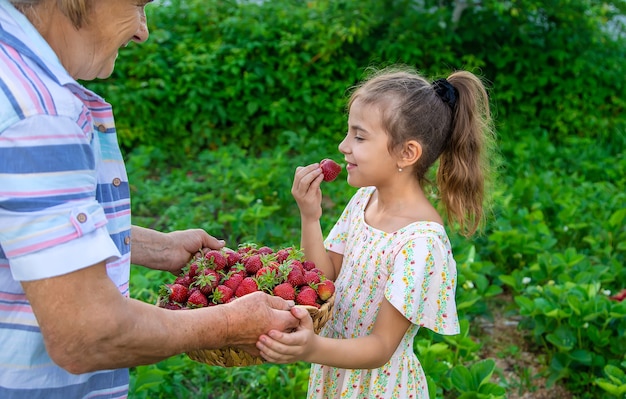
{"x":343,"y":146}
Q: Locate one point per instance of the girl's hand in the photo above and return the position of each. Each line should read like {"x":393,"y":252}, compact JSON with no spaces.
{"x":279,"y":347}
{"x":306,"y":190}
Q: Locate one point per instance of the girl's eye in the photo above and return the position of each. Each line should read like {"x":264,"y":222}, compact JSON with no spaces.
{"x":358,"y":138}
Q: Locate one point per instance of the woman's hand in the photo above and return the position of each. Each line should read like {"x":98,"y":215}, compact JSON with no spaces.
{"x":169,"y":251}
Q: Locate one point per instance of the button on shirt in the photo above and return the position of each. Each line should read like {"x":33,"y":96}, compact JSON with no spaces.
{"x":64,"y":205}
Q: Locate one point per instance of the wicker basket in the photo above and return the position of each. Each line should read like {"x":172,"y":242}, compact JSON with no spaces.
{"x":234,"y":357}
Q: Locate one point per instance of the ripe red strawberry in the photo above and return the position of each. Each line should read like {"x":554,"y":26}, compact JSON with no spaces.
{"x":308,"y":265}
{"x":282,"y":255}
{"x":192,"y":269}
{"x":312,"y":277}
{"x":295,"y":277}
{"x":267,"y":278}
{"x":216,"y":259}
{"x":330,"y":169}
{"x":207,"y":280}
{"x":175,"y":292}
{"x":285,"y":291}
{"x":232,"y":258}
{"x":197,"y":300}
{"x":265,"y":251}
{"x":266,"y":270}
{"x":296,"y":264}
{"x":253,"y":264}
{"x":325,"y":289}
{"x":222,"y":294}
{"x":307,"y":296}
{"x":247,"y":249}
{"x":233,"y":280}
{"x":247,"y":286}
{"x":238,"y":268}
{"x":185,"y":280}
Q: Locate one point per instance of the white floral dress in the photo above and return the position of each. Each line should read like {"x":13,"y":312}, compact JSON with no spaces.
{"x":414,"y":270}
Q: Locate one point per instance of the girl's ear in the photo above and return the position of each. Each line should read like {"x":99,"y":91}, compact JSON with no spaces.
{"x":410,"y":154}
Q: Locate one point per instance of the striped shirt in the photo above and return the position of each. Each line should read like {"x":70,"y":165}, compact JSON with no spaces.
{"x":64,"y":205}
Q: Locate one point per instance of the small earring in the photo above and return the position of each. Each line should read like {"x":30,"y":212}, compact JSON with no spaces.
{"x":399,"y":169}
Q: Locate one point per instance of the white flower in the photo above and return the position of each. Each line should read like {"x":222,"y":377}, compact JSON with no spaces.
{"x":606,"y":292}
{"x":468,"y":285}
{"x":526,"y":280}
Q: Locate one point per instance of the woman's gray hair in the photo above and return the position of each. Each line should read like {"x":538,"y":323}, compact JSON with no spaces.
{"x":75,"y":10}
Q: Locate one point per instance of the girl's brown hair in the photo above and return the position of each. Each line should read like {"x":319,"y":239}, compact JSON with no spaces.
{"x":454,"y":129}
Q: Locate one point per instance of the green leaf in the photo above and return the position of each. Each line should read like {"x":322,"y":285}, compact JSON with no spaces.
{"x":616,"y":374}
{"x":482,"y":371}
{"x":616,"y":390}
{"x":563,"y":338}
{"x":493,"y":391}
{"x":148,"y":378}
{"x":581,"y":356}
{"x":462,"y":379}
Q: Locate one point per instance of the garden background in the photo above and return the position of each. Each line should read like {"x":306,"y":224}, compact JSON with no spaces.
{"x":226,"y":98}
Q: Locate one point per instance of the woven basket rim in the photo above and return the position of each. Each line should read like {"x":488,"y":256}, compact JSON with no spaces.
{"x":235,"y":357}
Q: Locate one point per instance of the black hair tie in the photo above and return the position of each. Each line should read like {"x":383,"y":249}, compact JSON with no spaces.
{"x":446,"y":92}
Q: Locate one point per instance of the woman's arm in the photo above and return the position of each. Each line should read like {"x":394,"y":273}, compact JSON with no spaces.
{"x":88,"y":325}
{"x":368,"y":352}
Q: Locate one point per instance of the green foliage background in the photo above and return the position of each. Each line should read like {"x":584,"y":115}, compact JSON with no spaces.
{"x":226,"y":98}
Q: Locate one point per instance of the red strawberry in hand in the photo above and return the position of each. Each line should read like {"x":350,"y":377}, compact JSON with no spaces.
{"x":330,"y":169}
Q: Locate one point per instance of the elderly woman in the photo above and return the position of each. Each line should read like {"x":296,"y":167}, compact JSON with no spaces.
{"x":67,"y":326}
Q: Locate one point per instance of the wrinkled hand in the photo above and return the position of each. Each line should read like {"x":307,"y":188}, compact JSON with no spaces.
{"x":255,"y":314}
{"x":187,"y":243}
{"x":281,"y":347}
{"x":306,"y":190}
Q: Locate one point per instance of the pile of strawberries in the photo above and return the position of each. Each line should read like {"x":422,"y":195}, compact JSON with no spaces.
{"x":221,"y":276}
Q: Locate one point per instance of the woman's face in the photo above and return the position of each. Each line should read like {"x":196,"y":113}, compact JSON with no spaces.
{"x":92,"y":50}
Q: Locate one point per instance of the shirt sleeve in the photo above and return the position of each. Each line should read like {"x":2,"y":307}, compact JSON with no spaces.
{"x":337,"y":237}
{"x":422,"y":285}
{"x":48,"y":206}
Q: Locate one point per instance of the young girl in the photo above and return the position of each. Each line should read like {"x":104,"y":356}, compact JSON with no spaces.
{"x":389,"y":252}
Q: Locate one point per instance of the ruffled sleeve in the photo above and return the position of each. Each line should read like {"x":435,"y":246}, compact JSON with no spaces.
{"x":422,"y":284}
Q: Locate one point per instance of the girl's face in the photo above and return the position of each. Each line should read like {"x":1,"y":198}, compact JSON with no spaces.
{"x":365,"y":148}
{"x":110,"y":25}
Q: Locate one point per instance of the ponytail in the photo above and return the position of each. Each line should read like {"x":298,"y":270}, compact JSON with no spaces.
{"x":464,"y":167}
